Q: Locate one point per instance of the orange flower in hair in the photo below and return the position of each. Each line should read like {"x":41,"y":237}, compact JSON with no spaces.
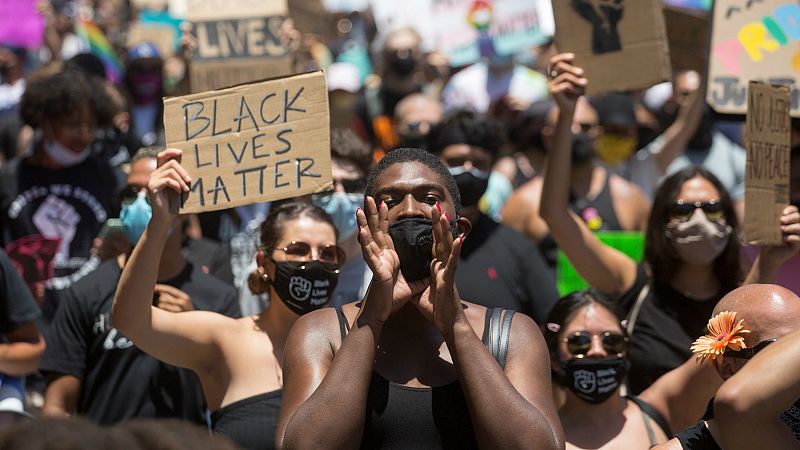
{"x":722,"y":334}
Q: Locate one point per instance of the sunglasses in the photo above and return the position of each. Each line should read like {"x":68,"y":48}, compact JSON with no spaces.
{"x":749,"y":352}
{"x":683,"y":210}
{"x":580,"y":342}
{"x":356,"y":186}
{"x":130,"y":193}
{"x":331,"y":255}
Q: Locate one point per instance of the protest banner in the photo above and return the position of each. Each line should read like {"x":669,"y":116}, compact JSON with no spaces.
{"x":237,"y":42}
{"x":453,"y":27}
{"x":252,"y":143}
{"x":21,"y":24}
{"x":752,"y":41}
{"x":630,"y":243}
{"x":767,"y":140}
{"x":162,"y":36}
{"x":687,"y":34}
{"x":622,"y":45}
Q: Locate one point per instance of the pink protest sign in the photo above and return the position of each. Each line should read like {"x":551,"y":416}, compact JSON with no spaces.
{"x":21,"y":24}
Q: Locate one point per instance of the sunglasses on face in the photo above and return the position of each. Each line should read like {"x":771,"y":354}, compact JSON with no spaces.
{"x":683,"y":210}
{"x":580,"y":342}
{"x":749,"y":352}
{"x":356,"y":186}
{"x":298,"y":251}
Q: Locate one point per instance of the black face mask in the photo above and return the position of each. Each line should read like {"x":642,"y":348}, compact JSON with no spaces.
{"x":471,"y":184}
{"x":413,"y":238}
{"x":704,"y":136}
{"x":592,"y":380}
{"x":791,"y":417}
{"x":412,"y":139}
{"x":582,"y":149}
{"x":402,"y":65}
{"x":306,"y":286}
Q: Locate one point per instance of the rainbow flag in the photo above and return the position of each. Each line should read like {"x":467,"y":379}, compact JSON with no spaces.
{"x":100,"y":46}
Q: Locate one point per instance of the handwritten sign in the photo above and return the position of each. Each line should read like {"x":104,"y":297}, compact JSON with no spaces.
{"x":687,"y":33}
{"x":21,"y":24}
{"x":252,"y":143}
{"x":237,"y":42}
{"x":752,"y":41}
{"x":621,"y":44}
{"x":453,"y":27}
{"x":766,"y":180}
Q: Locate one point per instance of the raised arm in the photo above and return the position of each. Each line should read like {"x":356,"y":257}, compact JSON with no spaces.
{"x":771,"y":258}
{"x":184,"y":339}
{"x":327,"y":390}
{"x":603,"y":267}
{"x":677,"y":136}
{"x":748,"y":405}
{"x":682,"y":394}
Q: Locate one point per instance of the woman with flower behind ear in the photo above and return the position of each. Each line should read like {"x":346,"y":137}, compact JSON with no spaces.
{"x":238,"y":361}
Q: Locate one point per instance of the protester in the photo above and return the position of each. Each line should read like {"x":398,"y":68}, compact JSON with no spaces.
{"x":60,"y":190}
{"x":499,"y":267}
{"x":691,"y":251}
{"x":344,"y":92}
{"x":406,"y":367}
{"x":588,"y":351}
{"x":414,"y":117}
{"x":758,"y":388}
{"x":605,"y":202}
{"x":238,"y":361}
{"x":351,"y":159}
{"x":144,"y":80}
{"x":92,"y":367}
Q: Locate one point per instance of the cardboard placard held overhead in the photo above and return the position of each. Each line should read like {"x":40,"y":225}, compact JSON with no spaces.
{"x":252,"y":143}
{"x":238,"y":41}
{"x":162,"y":36}
{"x":767,"y":139}
{"x":752,"y":41}
{"x":687,"y":33}
{"x":621,"y":44}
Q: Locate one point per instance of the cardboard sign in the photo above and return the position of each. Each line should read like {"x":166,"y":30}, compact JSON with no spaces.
{"x":237,"y":42}
{"x":687,"y":33}
{"x":767,"y":139}
{"x":622,"y":45}
{"x":21,"y":24}
{"x":162,"y":36}
{"x":252,"y":143}
{"x":752,"y":41}
{"x":453,"y":27}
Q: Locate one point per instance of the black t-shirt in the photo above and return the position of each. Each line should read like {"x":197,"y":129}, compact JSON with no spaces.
{"x":668,"y":324}
{"x":17,"y":306}
{"x":119,"y":380}
{"x":500,"y":267}
{"x":70,"y":204}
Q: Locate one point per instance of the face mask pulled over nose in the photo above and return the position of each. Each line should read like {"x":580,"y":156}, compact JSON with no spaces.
{"x":699,"y":240}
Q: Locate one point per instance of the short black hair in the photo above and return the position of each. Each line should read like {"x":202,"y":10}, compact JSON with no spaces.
{"x":345,"y":144}
{"x":63,"y":94}
{"x":416,"y":155}
{"x":467,"y":127}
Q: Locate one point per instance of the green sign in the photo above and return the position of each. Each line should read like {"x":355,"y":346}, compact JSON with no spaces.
{"x":630,"y":243}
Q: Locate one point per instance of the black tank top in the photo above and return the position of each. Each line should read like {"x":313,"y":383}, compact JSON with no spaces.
{"x":597,"y":213}
{"x":250,"y":422}
{"x":401,"y":417}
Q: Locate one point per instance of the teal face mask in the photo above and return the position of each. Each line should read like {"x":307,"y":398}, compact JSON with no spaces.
{"x":135,"y":216}
{"x":342,"y":208}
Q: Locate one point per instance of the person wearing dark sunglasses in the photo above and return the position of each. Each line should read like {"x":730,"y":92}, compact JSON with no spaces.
{"x":238,"y":362}
{"x":588,"y":349}
{"x":758,"y":405}
{"x":691,"y":257}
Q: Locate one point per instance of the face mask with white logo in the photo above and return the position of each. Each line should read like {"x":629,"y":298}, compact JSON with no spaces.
{"x":304,"y":286}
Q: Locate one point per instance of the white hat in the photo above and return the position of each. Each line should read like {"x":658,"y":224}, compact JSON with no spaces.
{"x":656,"y":96}
{"x":343,"y":76}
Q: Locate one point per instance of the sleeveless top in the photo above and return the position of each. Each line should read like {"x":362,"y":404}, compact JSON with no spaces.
{"x":402,"y":417}
{"x":597,"y":213}
{"x":250,"y":422}
{"x":650,"y":414}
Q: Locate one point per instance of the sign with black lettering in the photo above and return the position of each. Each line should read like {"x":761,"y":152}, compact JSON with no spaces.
{"x":752,"y":41}
{"x":767,"y":139}
{"x":238,"y":41}
{"x":252,"y":143}
{"x":621,"y":44}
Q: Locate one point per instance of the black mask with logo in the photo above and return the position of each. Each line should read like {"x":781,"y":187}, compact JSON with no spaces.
{"x":592,"y":380}
{"x":304,"y":286}
{"x":791,"y":417}
{"x":413,"y":239}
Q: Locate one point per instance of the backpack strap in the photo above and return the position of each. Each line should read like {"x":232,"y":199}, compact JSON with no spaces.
{"x":344,"y":327}
{"x":496,"y":334}
{"x":653,"y":413}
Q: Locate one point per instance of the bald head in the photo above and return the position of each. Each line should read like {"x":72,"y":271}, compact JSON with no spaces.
{"x":769,"y":311}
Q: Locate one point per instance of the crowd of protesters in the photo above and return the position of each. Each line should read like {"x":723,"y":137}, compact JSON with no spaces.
{"x":419,"y":304}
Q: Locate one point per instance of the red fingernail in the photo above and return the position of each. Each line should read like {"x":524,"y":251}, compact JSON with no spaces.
{"x":447,"y":216}
{"x":357,"y":210}
{"x":438,"y":206}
